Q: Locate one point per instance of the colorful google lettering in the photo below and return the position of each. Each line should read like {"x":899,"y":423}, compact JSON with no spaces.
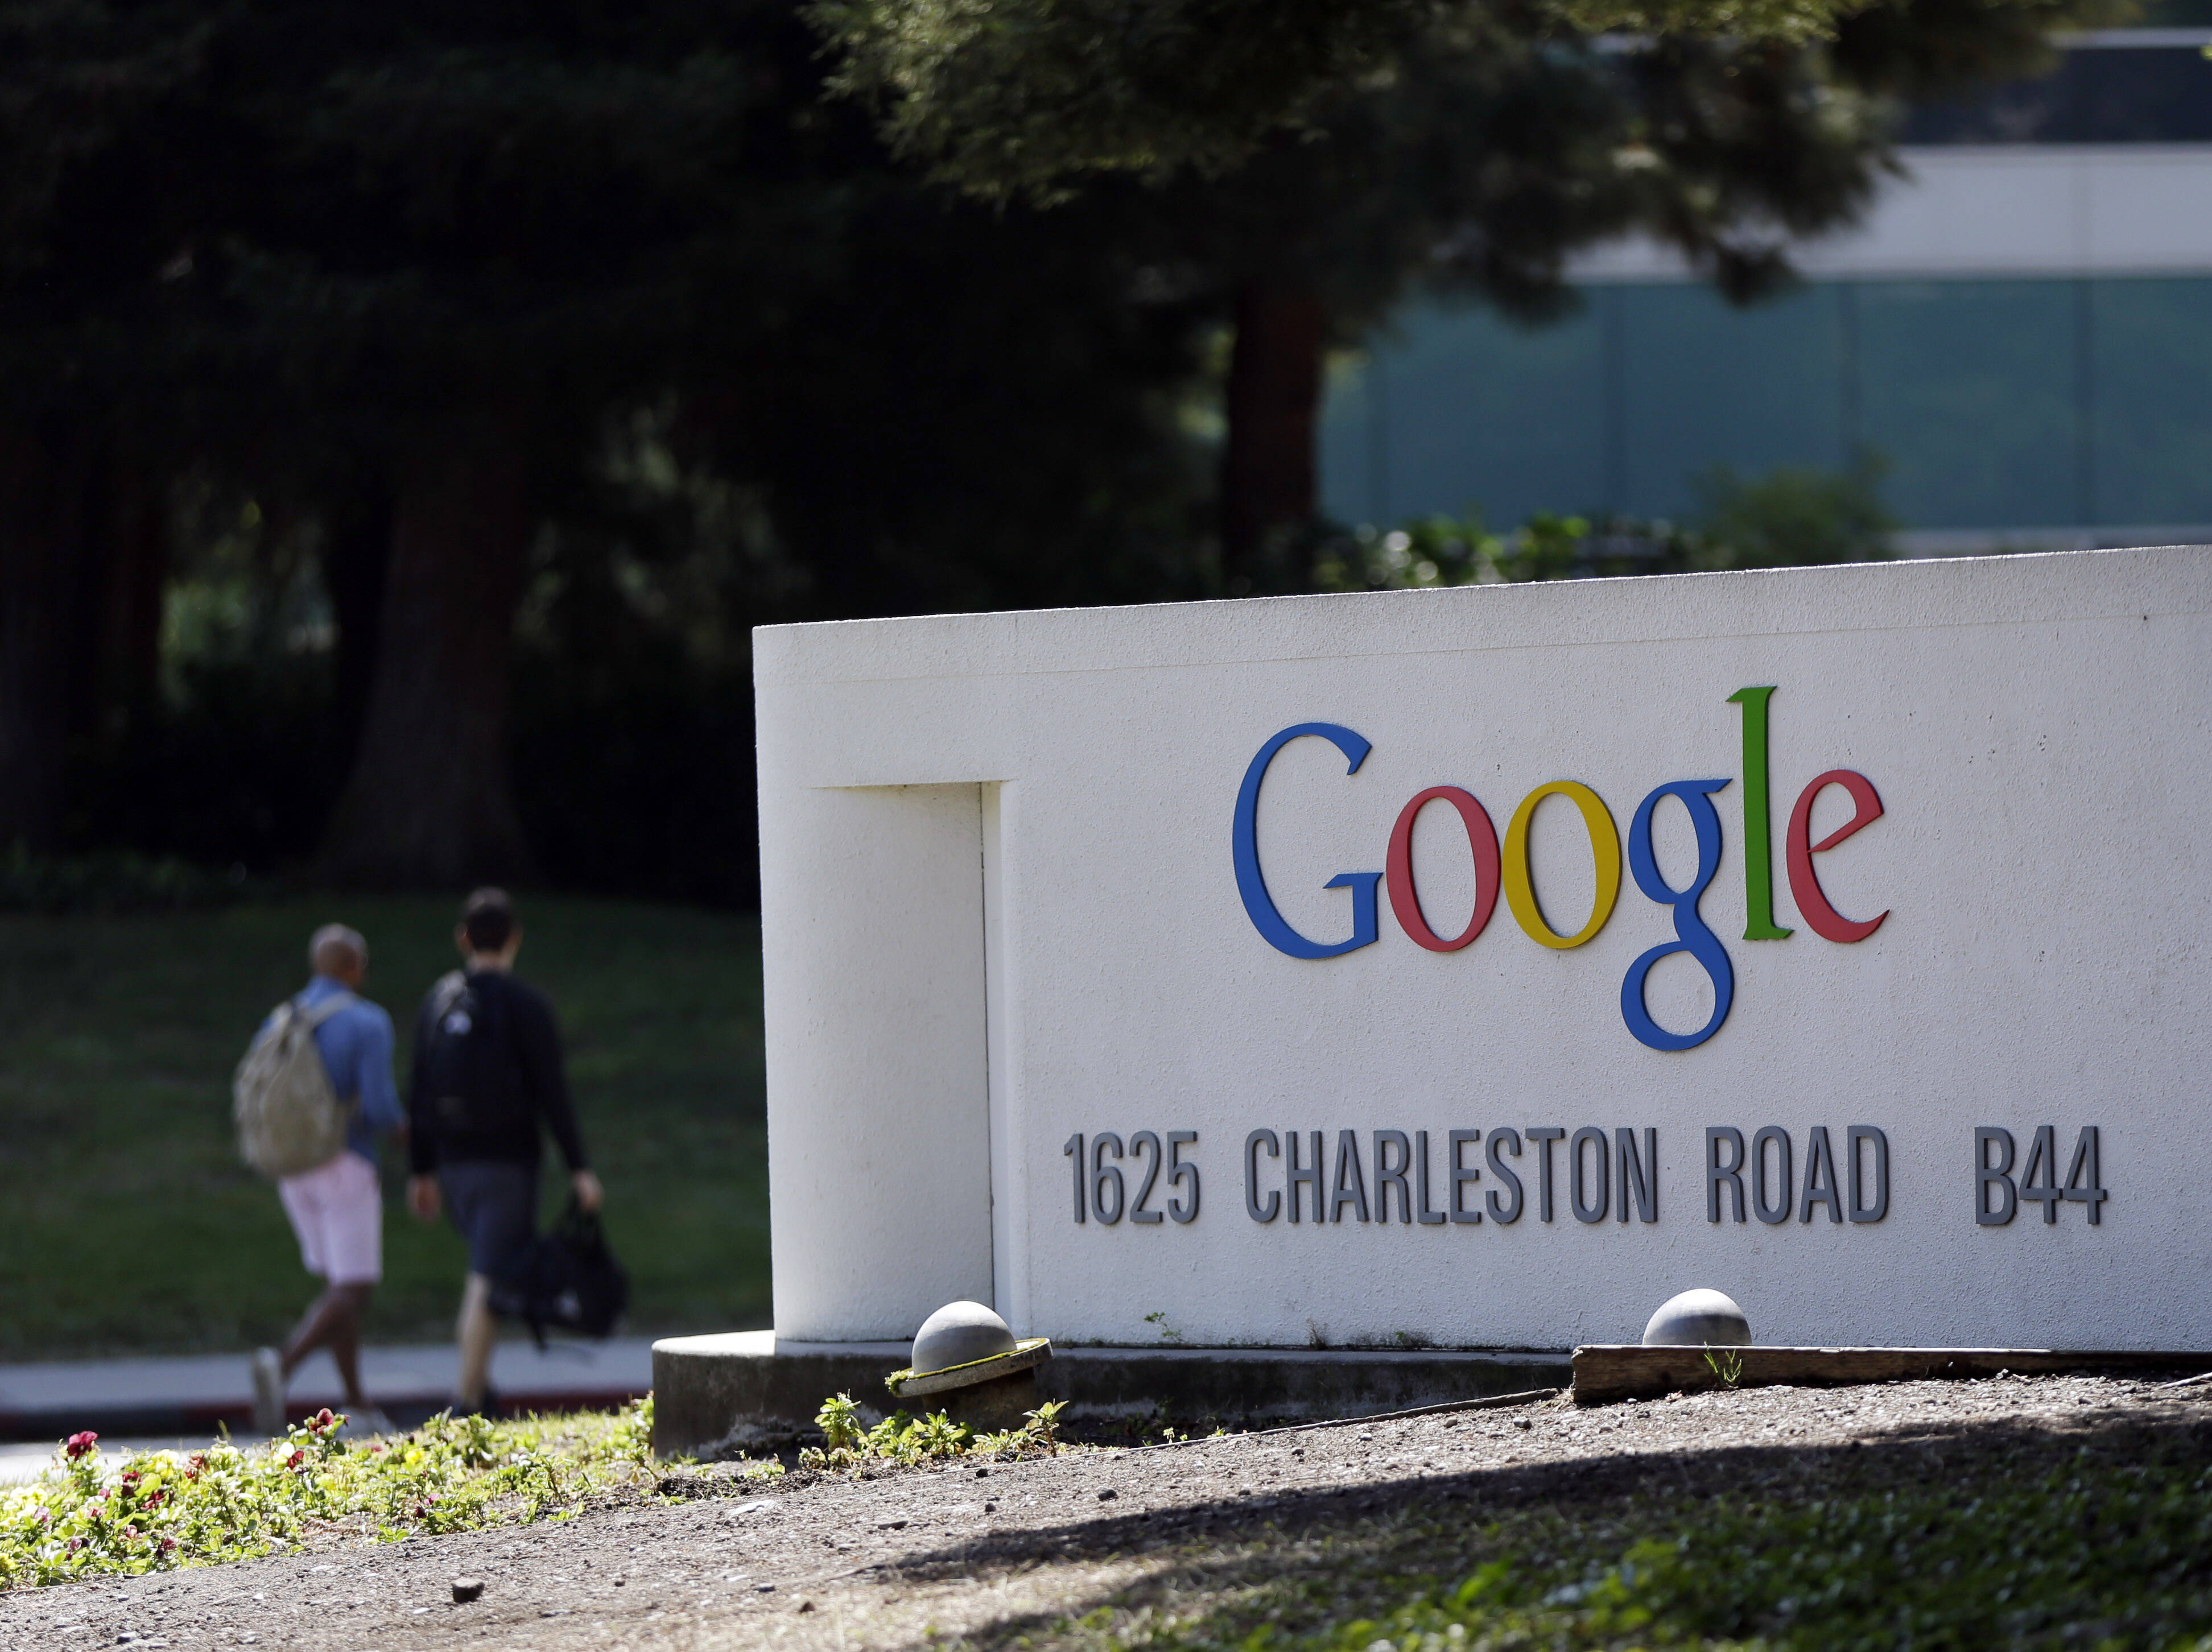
{"x":1506,"y":868}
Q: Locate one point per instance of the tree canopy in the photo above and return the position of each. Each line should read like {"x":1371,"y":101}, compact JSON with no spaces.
{"x":1314,"y":162}
{"x":1025,"y":96}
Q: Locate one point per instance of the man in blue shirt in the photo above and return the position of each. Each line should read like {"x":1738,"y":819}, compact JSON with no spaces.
{"x":337,"y":1208}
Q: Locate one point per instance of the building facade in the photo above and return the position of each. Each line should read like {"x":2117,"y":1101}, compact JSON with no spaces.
{"x":2019,"y":333}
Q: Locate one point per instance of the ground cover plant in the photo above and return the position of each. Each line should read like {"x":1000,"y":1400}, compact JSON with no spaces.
{"x":2019,"y":1541}
{"x":93,"y":1515}
{"x":132,"y":1226}
{"x":98,"y":1513}
{"x":851,"y":1444}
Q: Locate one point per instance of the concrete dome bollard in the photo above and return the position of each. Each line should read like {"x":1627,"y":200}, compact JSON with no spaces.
{"x":960,"y":1334}
{"x":965,"y":1353}
{"x":1697,"y":1319}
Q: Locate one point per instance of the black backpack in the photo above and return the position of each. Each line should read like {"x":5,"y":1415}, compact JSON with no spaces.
{"x":469,"y":1061}
{"x":567,"y":1280}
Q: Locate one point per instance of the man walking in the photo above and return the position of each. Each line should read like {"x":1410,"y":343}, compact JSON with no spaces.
{"x":487,"y":1082}
{"x":337,"y":1208}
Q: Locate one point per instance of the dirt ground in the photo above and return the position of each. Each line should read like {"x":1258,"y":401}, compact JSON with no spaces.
{"x":988,"y":1555}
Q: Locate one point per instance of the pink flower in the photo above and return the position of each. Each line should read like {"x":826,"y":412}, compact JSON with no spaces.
{"x":323,"y":1420}
{"x":74,"y":1544}
{"x":81,"y":1443}
{"x":168,"y":1543}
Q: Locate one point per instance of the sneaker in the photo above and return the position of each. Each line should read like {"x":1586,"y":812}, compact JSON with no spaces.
{"x":365,"y":1423}
{"x":268,"y":1391}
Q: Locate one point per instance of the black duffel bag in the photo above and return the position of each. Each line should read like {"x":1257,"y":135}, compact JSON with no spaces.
{"x":568,"y":1280}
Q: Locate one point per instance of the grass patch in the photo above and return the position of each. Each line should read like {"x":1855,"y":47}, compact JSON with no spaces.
{"x":133,"y":1227}
{"x":92,"y":1515}
{"x":2001,"y":1540}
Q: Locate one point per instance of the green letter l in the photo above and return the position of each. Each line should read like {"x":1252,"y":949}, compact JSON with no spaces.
{"x":1758,"y":827}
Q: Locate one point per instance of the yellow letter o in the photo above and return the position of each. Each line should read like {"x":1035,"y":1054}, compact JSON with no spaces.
{"x":1605,"y":855}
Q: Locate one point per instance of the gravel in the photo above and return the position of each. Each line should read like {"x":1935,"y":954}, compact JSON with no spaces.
{"x":846,"y":1564}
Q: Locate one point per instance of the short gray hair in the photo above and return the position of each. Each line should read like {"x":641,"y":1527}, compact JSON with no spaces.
{"x":332,"y":937}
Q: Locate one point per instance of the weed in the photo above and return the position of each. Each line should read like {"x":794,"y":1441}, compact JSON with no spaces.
{"x":1726,"y":1365}
{"x":904,"y":1440}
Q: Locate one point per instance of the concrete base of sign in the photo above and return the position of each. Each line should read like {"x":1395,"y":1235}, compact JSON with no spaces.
{"x":716,"y":1395}
{"x":1004,"y":1402}
{"x":1604,"y":1375}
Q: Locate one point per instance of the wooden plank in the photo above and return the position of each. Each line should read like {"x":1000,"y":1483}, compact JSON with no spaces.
{"x":1607,"y":1373}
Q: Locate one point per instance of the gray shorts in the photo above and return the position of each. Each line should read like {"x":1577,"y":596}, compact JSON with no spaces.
{"x":492,"y":1203}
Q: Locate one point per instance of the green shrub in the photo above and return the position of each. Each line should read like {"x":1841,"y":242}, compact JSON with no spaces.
{"x":112,"y":882}
{"x":1789,"y":516}
{"x":1796,"y":517}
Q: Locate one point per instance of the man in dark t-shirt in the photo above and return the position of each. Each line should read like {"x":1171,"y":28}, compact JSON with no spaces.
{"x":487,"y":1084}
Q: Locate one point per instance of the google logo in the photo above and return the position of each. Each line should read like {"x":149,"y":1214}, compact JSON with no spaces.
{"x":1505,"y":868}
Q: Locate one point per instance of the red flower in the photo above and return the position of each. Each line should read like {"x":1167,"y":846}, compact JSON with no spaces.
{"x":79,"y":1443}
{"x":295,"y":1459}
{"x":167,"y":1544}
{"x":153,"y":1499}
{"x":323,"y":1420}
{"x":131,"y":1477}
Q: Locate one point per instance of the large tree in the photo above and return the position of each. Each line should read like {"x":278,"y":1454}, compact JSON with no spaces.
{"x":376,"y":263}
{"x":91,"y":203}
{"x":1316,"y":160}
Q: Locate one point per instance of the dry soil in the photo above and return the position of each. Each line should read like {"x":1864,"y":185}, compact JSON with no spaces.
{"x":854,"y":1565}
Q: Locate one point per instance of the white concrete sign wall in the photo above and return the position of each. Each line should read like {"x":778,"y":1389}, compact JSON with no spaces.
{"x":1014,"y":982}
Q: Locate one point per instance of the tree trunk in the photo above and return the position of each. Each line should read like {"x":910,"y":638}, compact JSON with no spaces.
{"x":356,"y":561}
{"x":430,"y":803}
{"x":1268,"y":469}
{"x":44,"y":569}
{"x":130,"y":545}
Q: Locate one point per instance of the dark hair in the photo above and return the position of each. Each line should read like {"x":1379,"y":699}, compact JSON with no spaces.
{"x":489,"y":917}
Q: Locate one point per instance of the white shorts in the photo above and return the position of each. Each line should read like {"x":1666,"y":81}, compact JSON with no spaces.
{"x":337,"y":1212}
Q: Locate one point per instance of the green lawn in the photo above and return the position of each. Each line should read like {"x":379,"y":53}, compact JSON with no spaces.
{"x":131,"y":1224}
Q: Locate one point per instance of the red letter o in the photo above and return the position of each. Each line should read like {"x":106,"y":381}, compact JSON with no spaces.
{"x":1482,"y":839}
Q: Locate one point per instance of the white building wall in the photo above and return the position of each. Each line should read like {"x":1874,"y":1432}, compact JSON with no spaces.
{"x":1964,"y":211}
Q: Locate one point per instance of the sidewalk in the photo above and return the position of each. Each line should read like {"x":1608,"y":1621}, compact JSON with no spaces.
{"x":191,"y":1395}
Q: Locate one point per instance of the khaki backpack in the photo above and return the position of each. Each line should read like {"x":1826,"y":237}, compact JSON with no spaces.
{"x":289,"y":1118}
